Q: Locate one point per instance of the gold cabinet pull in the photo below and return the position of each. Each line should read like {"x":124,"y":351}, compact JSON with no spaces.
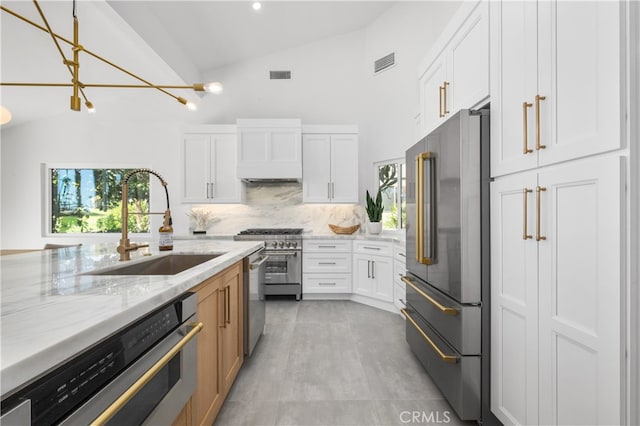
{"x":223,"y":323}
{"x":228,"y":306}
{"x":539,"y":189}
{"x":440,"y":110}
{"x":444,"y":101}
{"x":146,"y":377}
{"x":420,"y":225}
{"x":525,"y":129}
{"x":446,"y":358}
{"x":525,"y":236}
{"x":434,"y":302}
{"x":538,"y":145}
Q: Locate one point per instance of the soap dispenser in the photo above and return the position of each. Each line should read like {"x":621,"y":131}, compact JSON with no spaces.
{"x":166,"y":233}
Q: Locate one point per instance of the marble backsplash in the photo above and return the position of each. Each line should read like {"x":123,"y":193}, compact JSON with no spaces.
{"x":280,"y":206}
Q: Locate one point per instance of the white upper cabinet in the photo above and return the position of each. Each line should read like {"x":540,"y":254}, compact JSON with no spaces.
{"x":455,"y":73}
{"x":330,"y":167}
{"x":556,"y":87}
{"x":209,"y":166}
{"x":269,"y":149}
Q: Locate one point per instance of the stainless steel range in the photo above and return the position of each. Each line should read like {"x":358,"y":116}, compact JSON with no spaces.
{"x":284,"y":265}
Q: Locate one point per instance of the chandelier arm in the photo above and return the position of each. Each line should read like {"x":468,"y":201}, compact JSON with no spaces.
{"x":40,"y":27}
{"x":98,"y":85}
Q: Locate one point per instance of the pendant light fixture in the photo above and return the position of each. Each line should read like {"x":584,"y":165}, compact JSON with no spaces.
{"x":73,"y":65}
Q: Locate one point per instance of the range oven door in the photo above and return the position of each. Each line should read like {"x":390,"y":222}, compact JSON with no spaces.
{"x":283,"y":267}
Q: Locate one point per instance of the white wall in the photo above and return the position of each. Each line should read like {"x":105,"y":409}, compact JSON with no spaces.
{"x":332,"y":84}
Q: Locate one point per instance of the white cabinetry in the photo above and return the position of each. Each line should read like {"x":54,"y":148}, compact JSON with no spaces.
{"x":269,"y":149}
{"x":330,"y":167}
{"x":399,"y":270}
{"x":209,"y":165}
{"x":373,"y":270}
{"x":555,"y":81}
{"x":455,"y":73}
{"x":326,"y":266}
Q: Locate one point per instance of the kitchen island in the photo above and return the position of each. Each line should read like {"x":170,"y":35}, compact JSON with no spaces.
{"x":52,"y":308}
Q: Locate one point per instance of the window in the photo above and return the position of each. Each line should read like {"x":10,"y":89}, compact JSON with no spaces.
{"x":392,"y":184}
{"x":89,"y":200}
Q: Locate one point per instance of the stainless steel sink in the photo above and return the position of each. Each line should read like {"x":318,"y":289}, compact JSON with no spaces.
{"x":166,"y":265}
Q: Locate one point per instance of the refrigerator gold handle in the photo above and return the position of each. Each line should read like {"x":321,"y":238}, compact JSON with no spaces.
{"x":539,"y":189}
{"x":146,"y":377}
{"x":420,"y":227}
{"x":525,"y":191}
{"x":446,"y":358}
{"x":444,"y":309}
{"x":538,"y":145}
{"x":525,"y":129}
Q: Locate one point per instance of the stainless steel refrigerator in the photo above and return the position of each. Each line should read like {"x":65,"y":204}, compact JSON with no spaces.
{"x":447,"y":250}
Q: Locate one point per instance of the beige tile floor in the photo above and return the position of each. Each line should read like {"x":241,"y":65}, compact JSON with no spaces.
{"x":333,"y":363}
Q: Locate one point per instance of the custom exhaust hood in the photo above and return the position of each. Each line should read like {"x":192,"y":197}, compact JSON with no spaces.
{"x":269,"y":150}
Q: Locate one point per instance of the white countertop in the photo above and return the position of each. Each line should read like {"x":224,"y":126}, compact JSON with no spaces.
{"x":50,"y":312}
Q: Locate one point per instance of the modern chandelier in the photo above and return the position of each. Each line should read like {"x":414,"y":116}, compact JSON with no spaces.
{"x":73,"y":65}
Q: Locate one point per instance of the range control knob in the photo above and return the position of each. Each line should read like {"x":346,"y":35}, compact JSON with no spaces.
{"x":281,"y":244}
{"x":294,"y":244}
{"x":274,"y":244}
{"x":288,"y":244}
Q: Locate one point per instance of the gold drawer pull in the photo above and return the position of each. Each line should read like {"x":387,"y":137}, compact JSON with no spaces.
{"x":440,"y":113}
{"x":446,"y":358}
{"x":434,"y":302}
{"x":538,"y":190}
{"x":525,"y":236}
{"x":525,"y":129}
{"x":444,"y":101}
{"x":538,"y":145}
{"x":146,"y":377}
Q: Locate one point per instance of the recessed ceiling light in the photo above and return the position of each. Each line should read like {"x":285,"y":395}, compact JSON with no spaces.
{"x":256,"y":5}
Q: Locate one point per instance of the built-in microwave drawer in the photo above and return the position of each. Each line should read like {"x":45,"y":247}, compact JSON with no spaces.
{"x":459,"y":324}
{"x":457,"y":376}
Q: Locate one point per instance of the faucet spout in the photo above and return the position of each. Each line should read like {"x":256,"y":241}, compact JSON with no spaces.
{"x":126,"y":247}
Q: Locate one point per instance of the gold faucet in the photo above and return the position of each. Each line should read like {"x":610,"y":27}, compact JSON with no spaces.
{"x":126,"y":247}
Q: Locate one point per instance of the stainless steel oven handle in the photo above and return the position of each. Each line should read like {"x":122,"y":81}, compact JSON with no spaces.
{"x":146,"y":377}
{"x":282,"y":253}
{"x":256,"y":265}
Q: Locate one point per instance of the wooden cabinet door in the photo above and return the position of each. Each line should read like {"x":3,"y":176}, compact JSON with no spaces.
{"x":196,"y":165}
{"x":231,"y":330}
{"x":581,"y":336}
{"x":579,"y":72}
{"x":316,"y":170}
{"x":514,"y":300}
{"x":209,"y":395}
{"x":344,"y":168}
{"x":513,"y":65}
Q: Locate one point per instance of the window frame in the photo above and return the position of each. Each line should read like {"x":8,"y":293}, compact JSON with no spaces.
{"x":376,"y":179}
{"x":47,"y":199}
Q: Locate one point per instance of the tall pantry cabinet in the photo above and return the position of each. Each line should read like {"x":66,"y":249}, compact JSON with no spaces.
{"x":557,"y":208}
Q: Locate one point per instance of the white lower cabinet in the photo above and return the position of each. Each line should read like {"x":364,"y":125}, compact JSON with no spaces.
{"x":326,"y":266}
{"x":557,"y":334}
{"x":399,"y":270}
{"x":373,"y":273}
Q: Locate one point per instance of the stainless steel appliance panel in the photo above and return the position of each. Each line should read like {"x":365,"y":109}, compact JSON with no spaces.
{"x":255,"y":304}
{"x":413,"y":264}
{"x":460,"y":325}
{"x":445,"y":220}
{"x":457,"y":376}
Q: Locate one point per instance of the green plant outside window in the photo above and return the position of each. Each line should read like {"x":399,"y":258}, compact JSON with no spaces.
{"x":392,"y":184}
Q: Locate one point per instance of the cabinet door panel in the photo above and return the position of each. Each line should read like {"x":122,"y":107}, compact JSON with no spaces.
{"x":580,"y":296}
{"x":232,"y":349}
{"x":196,"y":167}
{"x":430,"y":97}
{"x":362,"y":281}
{"x":579,"y":73}
{"x":316,"y":171}
{"x":344,"y":168}
{"x":513,"y":81}
{"x":382,"y":273}
{"x":227,"y":186}
{"x":514,"y":301}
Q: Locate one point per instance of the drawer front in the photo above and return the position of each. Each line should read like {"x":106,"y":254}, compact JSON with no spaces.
{"x":458,"y":377}
{"x":399,"y":252}
{"x":399,"y":296}
{"x":326,"y":262}
{"x":373,"y":247}
{"x":326,"y":246}
{"x":459,"y":324}
{"x":326,"y":283}
{"x":399,"y":270}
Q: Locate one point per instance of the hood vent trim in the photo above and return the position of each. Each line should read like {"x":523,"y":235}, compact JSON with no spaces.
{"x":384,"y":63}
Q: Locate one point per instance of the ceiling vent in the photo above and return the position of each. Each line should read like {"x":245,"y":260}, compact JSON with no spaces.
{"x":280,"y":75}
{"x":384,"y":63}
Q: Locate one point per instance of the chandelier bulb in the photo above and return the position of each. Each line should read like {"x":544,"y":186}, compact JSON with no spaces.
{"x":90,"y":108}
{"x":256,"y":5}
{"x":214,"y":87}
{"x":191,"y":106}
